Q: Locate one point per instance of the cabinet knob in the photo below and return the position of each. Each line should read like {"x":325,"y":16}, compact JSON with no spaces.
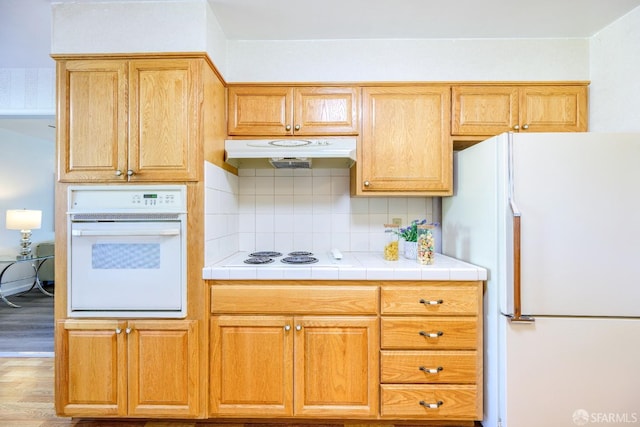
{"x":367,"y":183}
{"x":130,"y":172}
{"x":118,"y":331}
{"x":516,"y":127}
{"x":431,"y":334}
{"x":297,"y":127}
{"x":287,"y":127}
{"x":436,"y":405}
{"x":525,"y":127}
{"x":298,"y":327}
{"x":118,"y":172}
{"x":127,"y":331}
{"x":287,"y":327}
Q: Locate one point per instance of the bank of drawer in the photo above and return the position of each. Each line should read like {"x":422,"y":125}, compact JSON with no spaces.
{"x":294,"y":299}
{"x":430,"y":300}
{"x":430,"y":402}
{"x":428,"y":367}
{"x":427,"y":333}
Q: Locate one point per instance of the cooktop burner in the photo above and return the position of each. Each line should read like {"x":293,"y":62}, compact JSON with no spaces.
{"x":258,"y":260}
{"x":300,"y":253}
{"x":268,"y":254}
{"x":299,"y":259}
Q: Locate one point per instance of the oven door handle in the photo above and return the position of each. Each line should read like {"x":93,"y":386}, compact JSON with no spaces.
{"x":125,"y":233}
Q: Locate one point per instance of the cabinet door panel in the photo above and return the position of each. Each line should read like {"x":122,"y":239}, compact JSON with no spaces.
{"x":260,"y":111}
{"x":91,"y":363}
{"x":553,"y":109}
{"x":326,"y":111}
{"x":92,"y":120}
{"x":163,"y":368}
{"x":406,"y":144}
{"x":164,"y":120}
{"x":251,"y":365}
{"x":483,"y":110}
{"x":336,"y":363}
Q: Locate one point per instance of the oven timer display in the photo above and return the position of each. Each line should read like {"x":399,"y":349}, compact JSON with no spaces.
{"x":153,"y":199}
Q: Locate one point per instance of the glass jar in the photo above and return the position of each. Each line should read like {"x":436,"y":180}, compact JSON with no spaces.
{"x":426,"y":245}
{"x":391,"y":238}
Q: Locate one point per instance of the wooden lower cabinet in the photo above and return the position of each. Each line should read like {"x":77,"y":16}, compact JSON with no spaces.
{"x":294,"y":366}
{"x":135,"y":368}
{"x":431,"y":351}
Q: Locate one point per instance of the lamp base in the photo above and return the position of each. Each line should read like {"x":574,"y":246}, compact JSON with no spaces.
{"x":25,"y":245}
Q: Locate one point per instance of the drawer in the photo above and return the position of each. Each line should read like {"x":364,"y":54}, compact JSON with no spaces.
{"x":429,"y":367}
{"x":427,"y":333}
{"x":462,"y":402}
{"x":294,"y":299}
{"x":431,"y":299}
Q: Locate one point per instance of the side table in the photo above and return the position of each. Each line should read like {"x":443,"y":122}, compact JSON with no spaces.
{"x":36,"y":263}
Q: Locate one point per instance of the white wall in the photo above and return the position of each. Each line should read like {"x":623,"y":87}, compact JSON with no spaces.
{"x":615,"y":86}
{"x":137,"y":26}
{"x":408,"y":60}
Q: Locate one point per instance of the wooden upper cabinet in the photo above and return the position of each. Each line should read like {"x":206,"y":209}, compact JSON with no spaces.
{"x":92,"y":119}
{"x":487,"y":110}
{"x":164,"y":119}
{"x":406,"y":145}
{"x":286,"y":111}
{"x":553,"y":109}
{"x":128,"y":120}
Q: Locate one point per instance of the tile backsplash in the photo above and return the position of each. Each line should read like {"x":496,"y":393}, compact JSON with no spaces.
{"x":297,"y":209}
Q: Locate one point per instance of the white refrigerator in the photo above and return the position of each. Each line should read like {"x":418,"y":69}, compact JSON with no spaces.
{"x":555,"y":219}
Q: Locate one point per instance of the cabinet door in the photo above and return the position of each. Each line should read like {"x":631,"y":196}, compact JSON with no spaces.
{"x":163,"y":368}
{"x":251,"y":366}
{"x":260,"y":111}
{"x":92,"y":120}
{"x":336,"y":366}
{"x":326,"y":111}
{"x":91,"y":364}
{"x":483,"y":110}
{"x":164,"y":120}
{"x":553,"y":109}
{"x":406,"y":145}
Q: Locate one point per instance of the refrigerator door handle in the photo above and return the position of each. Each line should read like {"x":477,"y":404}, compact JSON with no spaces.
{"x":517,"y":215}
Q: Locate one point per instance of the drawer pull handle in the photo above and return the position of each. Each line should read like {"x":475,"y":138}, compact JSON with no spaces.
{"x":431,"y":371}
{"x":436,"y":405}
{"x":431,"y":334}
{"x":431,"y":302}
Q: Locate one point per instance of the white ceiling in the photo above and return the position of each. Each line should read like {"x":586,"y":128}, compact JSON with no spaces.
{"x":408,"y":19}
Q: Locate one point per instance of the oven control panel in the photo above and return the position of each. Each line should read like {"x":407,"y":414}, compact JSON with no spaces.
{"x":156,"y":198}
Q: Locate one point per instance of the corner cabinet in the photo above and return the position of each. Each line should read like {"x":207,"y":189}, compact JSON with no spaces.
{"x":128,"y":120}
{"x":405,"y":148}
{"x":293,"y":111}
{"x":285,"y":363}
{"x":487,"y":110}
{"x":136,"y":368}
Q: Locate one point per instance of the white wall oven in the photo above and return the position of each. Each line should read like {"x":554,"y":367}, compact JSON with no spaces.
{"x":127,"y":251}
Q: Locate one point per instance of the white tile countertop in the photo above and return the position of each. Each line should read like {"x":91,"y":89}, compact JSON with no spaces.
{"x":353,"y":266}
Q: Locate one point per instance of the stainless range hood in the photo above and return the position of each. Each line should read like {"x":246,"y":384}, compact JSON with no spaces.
{"x":302,"y":153}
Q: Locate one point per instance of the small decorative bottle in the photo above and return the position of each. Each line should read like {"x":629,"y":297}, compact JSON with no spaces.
{"x":426,"y":249}
{"x":391,"y":242}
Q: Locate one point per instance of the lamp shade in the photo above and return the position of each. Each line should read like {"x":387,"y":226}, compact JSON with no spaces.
{"x":23,"y":219}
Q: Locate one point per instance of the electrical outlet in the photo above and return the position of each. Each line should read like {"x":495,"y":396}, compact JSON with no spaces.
{"x":397,"y":221}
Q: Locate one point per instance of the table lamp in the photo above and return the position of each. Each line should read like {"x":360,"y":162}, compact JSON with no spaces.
{"x":25,"y":221}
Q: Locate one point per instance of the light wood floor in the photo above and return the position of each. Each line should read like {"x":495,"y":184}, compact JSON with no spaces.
{"x":26,"y":400}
